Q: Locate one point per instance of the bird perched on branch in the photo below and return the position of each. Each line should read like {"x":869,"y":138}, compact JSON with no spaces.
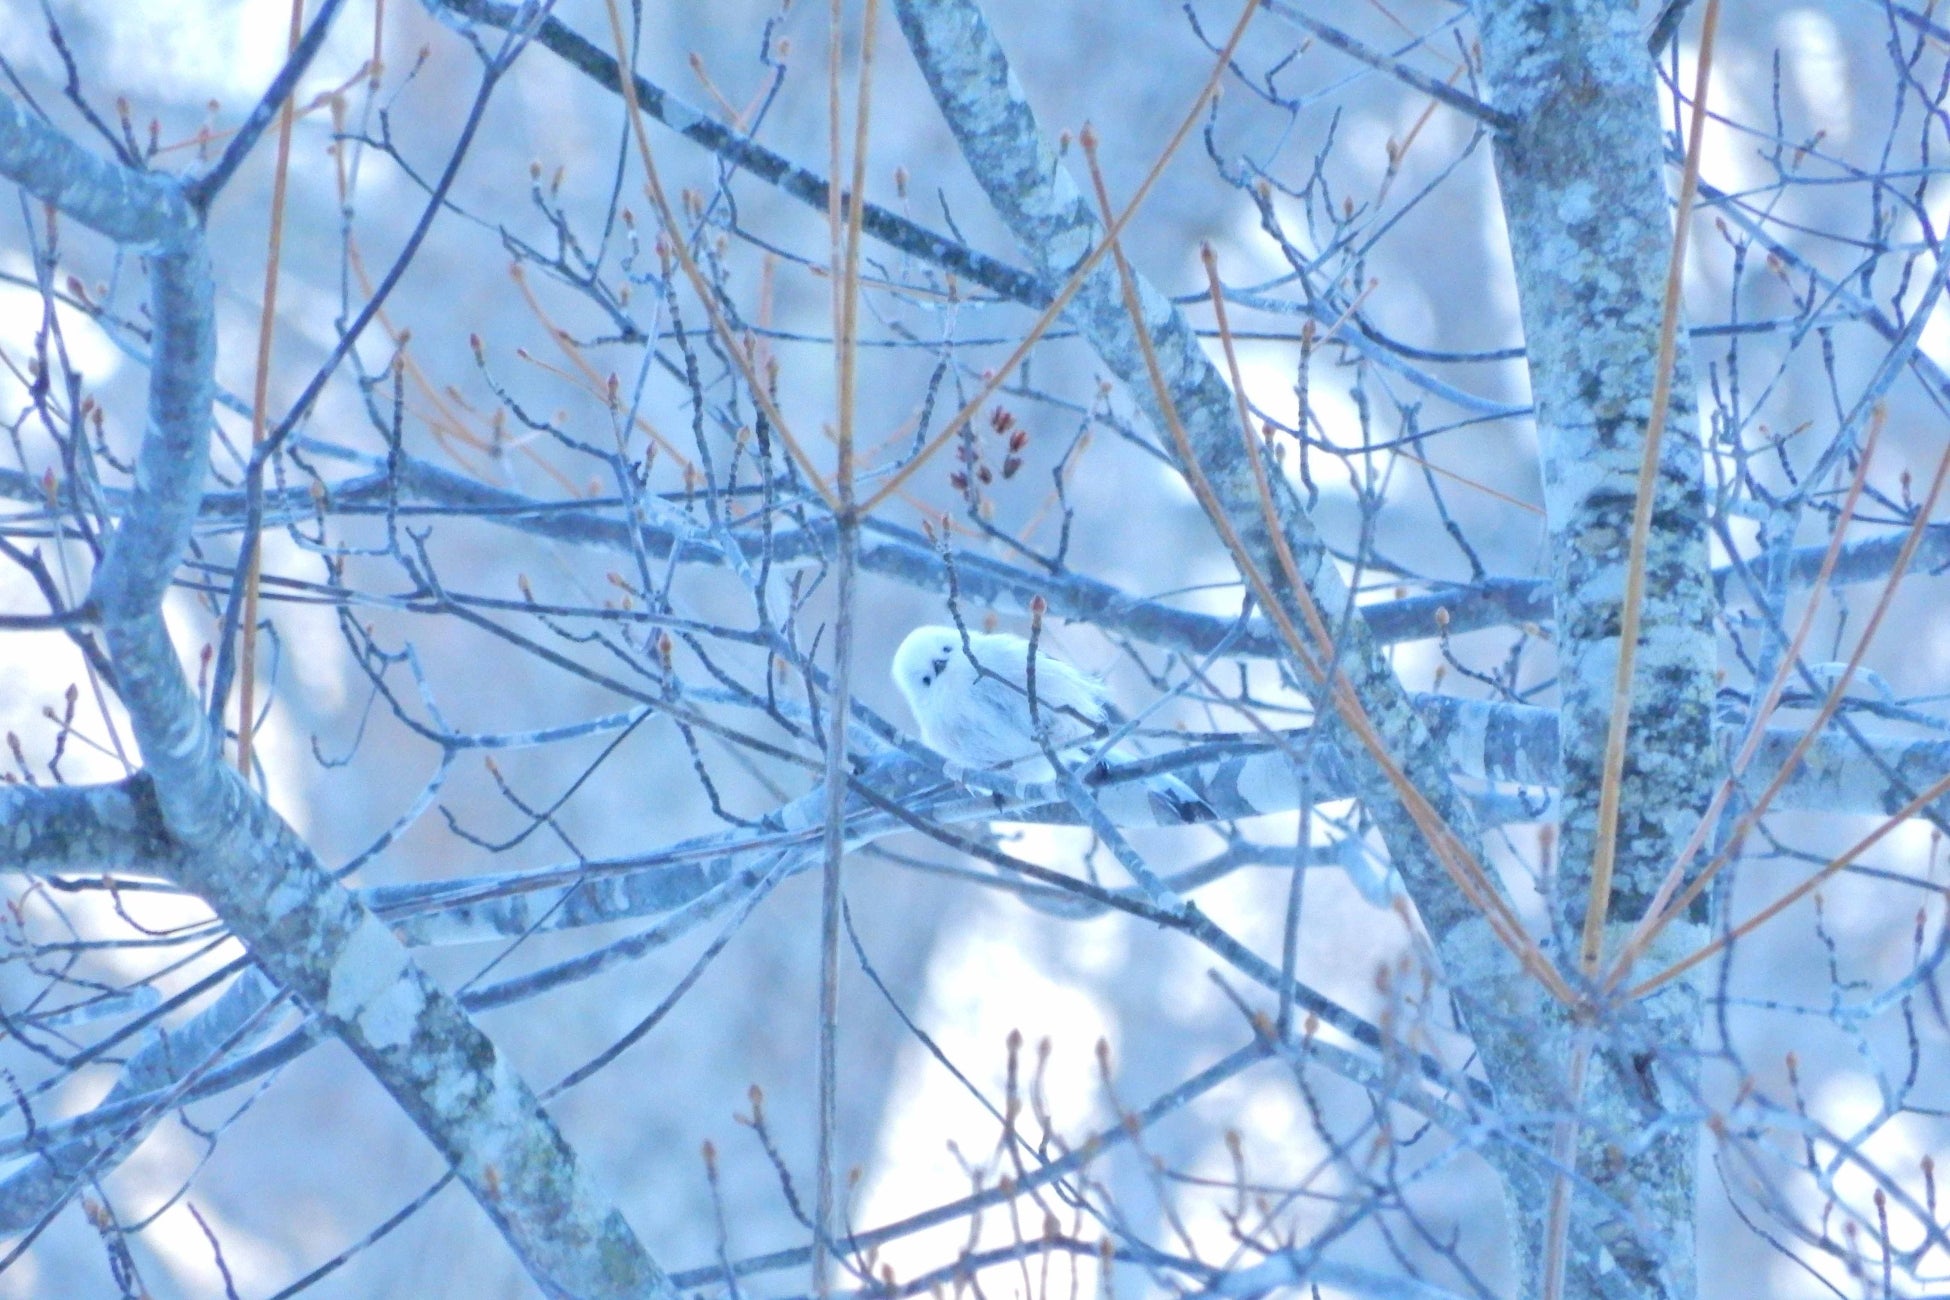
{"x":972,"y":701}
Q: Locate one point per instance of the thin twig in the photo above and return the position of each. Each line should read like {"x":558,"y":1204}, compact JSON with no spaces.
{"x":1936,"y":790}
{"x":1113,"y":228}
{"x":845,"y":234}
{"x":1468,"y":105}
{"x":260,"y":416}
{"x":1463,"y":868}
{"x":1564,"y":1160}
{"x":1833,"y":701}
{"x":757,"y":388}
{"x":1604,"y":854}
{"x":1657,"y":915}
{"x":1467,"y":874}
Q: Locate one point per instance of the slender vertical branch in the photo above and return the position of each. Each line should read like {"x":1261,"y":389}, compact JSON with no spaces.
{"x":260,"y":416}
{"x":844,"y":226}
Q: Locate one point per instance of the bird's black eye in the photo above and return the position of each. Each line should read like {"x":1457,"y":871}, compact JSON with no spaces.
{"x":927,"y":679}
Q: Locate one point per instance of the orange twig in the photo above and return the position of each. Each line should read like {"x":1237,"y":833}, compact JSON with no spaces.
{"x":1936,"y":791}
{"x":1448,"y":850}
{"x":1657,"y":915}
{"x":680,"y":249}
{"x":1113,"y":229}
{"x":1829,"y":705}
{"x":260,"y":400}
{"x":1611,"y":788}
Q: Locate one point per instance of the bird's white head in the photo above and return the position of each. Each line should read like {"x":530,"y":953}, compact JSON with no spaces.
{"x":923,"y":657}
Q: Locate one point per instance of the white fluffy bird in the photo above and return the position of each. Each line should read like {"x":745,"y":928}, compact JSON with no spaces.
{"x":972,"y":703}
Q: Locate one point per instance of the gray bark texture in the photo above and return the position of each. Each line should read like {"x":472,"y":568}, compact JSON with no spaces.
{"x":1582,"y":177}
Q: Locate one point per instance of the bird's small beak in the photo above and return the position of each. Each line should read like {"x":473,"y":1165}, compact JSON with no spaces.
{"x":940,"y":666}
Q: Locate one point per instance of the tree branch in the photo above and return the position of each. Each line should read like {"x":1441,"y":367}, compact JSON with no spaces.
{"x":308,"y":932}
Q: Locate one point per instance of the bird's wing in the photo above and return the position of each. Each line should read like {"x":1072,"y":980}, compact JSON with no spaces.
{"x":1002,"y":654}
{"x":1072,"y":704}
{"x":1074,"y":692}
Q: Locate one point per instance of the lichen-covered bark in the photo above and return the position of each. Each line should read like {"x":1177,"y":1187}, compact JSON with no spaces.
{"x":1584,"y":196}
{"x":305,"y":930}
{"x":92,"y":828}
{"x":1582,"y":177}
{"x":1631,"y":1229}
